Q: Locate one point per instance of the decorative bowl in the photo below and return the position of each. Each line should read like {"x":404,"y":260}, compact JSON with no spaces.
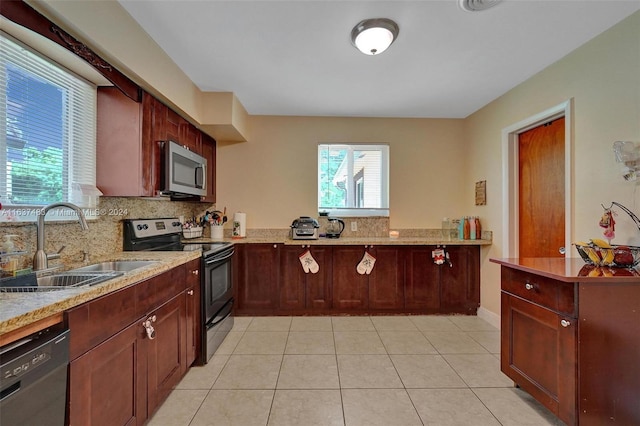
{"x":616,"y":255}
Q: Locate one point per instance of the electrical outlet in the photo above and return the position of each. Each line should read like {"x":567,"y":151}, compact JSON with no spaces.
{"x":354,"y":226}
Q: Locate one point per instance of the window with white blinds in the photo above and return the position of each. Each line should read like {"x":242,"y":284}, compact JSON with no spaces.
{"x":48,"y":143}
{"x":353,"y":179}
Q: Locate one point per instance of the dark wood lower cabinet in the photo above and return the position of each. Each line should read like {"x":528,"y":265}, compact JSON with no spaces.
{"x":269,"y":280}
{"x":540,"y":354}
{"x":386,"y":280}
{"x":107,"y":385}
{"x":422,"y":283}
{"x":167,"y":351}
{"x":460,"y":282}
{"x":573,"y":343}
{"x":350,"y":289}
{"x":126,"y":375}
{"x":256,"y":270}
{"x":194,"y":325}
{"x":300,"y":291}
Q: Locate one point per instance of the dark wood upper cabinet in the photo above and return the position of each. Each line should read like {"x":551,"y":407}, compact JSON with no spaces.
{"x":127,"y":159}
{"x":129,"y":144}
{"x":209,"y":152}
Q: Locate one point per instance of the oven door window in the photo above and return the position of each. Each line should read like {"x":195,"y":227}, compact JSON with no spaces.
{"x":217,"y":287}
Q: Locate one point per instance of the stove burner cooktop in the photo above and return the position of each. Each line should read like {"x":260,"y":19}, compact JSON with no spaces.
{"x":162,"y":235}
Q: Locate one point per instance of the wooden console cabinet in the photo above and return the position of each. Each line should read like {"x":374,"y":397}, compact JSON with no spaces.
{"x":572,"y":341}
{"x":119,"y":374}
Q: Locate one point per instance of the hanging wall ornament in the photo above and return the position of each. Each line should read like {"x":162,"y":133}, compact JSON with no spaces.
{"x":607,"y":222}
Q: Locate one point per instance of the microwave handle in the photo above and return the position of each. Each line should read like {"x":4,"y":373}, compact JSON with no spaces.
{"x":201,"y":172}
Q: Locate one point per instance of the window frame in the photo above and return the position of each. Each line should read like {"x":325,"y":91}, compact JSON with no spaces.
{"x":77,"y":188}
{"x":352,"y":185}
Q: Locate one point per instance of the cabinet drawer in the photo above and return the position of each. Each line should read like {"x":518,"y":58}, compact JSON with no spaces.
{"x":93,"y":322}
{"x":555,"y":295}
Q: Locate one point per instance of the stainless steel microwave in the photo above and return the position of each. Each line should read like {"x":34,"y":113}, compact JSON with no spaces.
{"x":185,"y":172}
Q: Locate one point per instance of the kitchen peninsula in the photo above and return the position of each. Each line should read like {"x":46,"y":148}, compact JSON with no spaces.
{"x":570,"y":337}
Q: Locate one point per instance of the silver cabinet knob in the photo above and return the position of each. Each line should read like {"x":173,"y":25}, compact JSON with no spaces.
{"x":528,"y":286}
{"x":562,"y":250}
{"x":195,"y":272}
{"x":565,"y":323}
{"x":190,"y":292}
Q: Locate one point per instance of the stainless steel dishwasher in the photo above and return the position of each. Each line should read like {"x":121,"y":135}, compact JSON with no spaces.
{"x":33,"y":384}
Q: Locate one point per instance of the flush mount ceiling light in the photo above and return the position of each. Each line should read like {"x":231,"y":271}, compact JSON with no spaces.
{"x":477,"y":5}
{"x":374,"y":36}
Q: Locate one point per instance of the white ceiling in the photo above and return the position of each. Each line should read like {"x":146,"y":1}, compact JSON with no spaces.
{"x":296,"y":58}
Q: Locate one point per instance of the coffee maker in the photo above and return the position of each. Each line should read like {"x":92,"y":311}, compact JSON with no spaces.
{"x":334,"y":228}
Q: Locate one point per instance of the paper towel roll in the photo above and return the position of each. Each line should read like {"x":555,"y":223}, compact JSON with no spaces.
{"x":239,"y":225}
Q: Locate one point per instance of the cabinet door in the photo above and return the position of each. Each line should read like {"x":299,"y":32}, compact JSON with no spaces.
{"x":304,"y":291}
{"x":209,"y":152}
{"x":292,"y":279}
{"x":422,"y":284}
{"x":107,"y":385}
{"x":257,"y":278}
{"x":167,"y":350}
{"x":386,"y":281}
{"x":350,"y":289}
{"x":190,"y":136}
{"x":194,"y":324}
{"x":460,"y":283}
{"x":538,"y":352}
{"x":172,"y":123}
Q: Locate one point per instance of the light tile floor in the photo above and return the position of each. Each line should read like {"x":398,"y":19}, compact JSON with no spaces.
{"x":353,"y":371}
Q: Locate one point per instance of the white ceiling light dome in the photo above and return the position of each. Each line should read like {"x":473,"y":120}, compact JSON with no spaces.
{"x":477,"y":5}
{"x":374,"y":36}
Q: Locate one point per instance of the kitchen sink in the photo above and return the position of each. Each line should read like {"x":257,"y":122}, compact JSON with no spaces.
{"x":76,"y":279}
{"x":31,"y":283}
{"x":116,"y":265}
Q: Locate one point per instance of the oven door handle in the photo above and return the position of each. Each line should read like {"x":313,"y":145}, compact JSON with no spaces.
{"x":218,"y":259}
{"x":212,"y":323}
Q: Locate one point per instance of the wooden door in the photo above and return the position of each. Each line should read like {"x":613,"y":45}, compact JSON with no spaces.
{"x":542,"y":190}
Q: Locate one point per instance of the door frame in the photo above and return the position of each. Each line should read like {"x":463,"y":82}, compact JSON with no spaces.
{"x":510,"y":179}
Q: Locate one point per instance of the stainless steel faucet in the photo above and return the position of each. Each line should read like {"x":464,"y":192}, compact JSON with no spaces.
{"x":40,"y":259}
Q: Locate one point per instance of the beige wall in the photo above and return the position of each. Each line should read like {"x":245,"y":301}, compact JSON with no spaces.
{"x":273,"y":177}
{"x":603,"y":79}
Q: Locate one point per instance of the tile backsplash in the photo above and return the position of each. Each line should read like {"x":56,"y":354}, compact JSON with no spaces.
{"x":105,"y":233}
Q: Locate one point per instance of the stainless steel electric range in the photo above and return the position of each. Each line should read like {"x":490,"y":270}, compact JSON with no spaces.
{"x":216,"y":278}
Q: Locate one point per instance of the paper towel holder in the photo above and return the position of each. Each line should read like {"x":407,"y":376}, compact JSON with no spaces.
{"x":239,"y":225}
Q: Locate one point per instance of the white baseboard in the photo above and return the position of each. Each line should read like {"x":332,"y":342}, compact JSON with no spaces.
{"x":490,"y":317}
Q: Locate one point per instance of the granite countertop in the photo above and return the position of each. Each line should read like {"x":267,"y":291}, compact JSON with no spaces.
{"x":21,"y":309}
{"x":571,"y":270}
{"x":346,"y":241}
